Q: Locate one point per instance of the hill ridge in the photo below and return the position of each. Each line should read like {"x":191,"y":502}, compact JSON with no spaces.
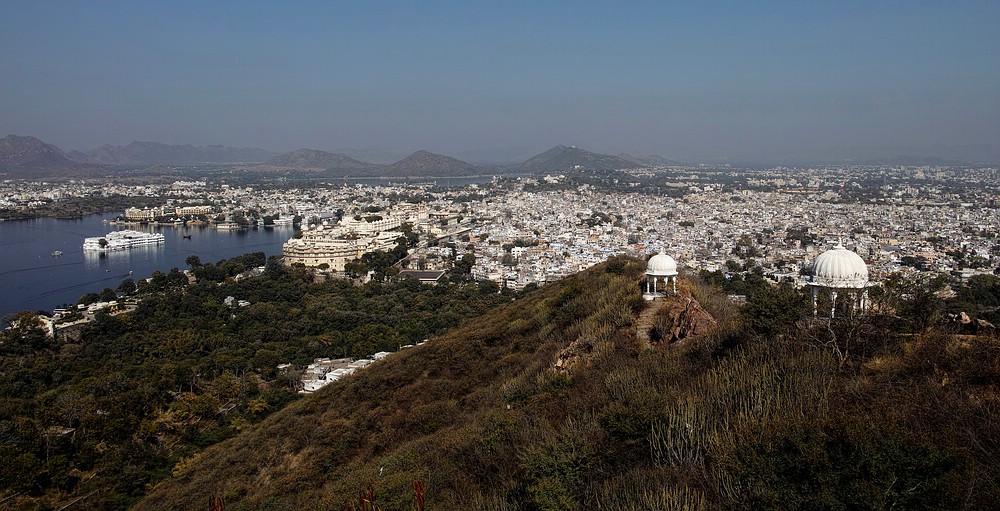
{"x":466,"y":367}
{"x":30,"y":157}
{"x":315,"y":159}
{"x":423,"y":163}
{"x":571,"y":159}
{"x":551,"y":401}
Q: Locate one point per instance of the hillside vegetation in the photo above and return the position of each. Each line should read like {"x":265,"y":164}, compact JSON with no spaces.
{"x":95,"y":419}
{"x":770,"y":410}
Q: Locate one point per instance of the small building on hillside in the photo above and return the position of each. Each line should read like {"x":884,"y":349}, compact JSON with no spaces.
{"x":424,"y":276}
{"x":660,"y":267}
{"x":837,"y":271}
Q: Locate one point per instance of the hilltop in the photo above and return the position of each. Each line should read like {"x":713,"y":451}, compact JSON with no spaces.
{"x":317,"y":160}
{"x":29,"y":157}
{"x":571,"y":159}
{"x":560,"y":401}
{"x":426,"y":164}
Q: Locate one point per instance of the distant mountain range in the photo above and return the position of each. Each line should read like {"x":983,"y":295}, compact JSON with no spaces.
{"x":559,"y":159}
{"x":29,"y":157}
{"x":153,"y":153}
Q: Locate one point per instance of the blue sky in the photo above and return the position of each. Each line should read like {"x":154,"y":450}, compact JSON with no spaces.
{"x":720,"y":78}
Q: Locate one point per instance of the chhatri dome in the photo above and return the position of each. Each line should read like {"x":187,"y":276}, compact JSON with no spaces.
{"x":840,"y":269}
{"x":660,"y":266}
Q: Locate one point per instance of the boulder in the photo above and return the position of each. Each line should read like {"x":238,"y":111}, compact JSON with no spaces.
{"x":679,"y":318}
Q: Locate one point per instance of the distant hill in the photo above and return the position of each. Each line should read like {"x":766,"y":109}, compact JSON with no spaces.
{"x":153,"y":153}
{"x":29,"y":157}
{"x":373,"y":155}
{"x":317,"y":160}
{"x":426,"y":164}
{"x":652,"y":159}
{"x":563,"y":159}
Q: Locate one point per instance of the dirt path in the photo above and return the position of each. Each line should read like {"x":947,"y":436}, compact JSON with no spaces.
{"x":646,"y":320}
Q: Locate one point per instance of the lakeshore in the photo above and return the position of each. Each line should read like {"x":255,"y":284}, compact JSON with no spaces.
{"x":35,"y":279}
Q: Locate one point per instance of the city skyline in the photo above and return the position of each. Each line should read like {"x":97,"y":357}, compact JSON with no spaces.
{"x":727,"y":80}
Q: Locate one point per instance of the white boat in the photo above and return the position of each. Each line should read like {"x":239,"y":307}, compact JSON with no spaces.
{"x":122,"y":240}
{"x":56,"y":253}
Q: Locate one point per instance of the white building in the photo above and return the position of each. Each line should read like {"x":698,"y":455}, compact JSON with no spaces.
{"x":660,"y":266}
{"x":840,"y":270}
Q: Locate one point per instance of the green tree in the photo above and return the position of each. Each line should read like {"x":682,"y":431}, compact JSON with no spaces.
{"x":770,"y":309}
{"x":355,"y":268}
{"x":127,"y":286}
{"x":108,"y":294}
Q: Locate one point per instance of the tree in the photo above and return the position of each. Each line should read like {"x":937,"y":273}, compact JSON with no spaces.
{"x":127,"y":286}
{"x":916,"y":298}
{"x":108,"y":294}
{"x":25,"y":334}
{"x":464,"y":265}
{"x":769,"y":309}
{"x":89,"y":298}
{"x":193,"y":261}
{"x":355,"y":268}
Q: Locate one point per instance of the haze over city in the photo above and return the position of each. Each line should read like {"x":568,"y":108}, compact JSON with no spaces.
{"x":501,"y":81}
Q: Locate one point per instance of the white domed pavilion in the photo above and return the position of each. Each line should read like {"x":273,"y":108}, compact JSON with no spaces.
{"x":840,"y":269}
{"x":660,"y":266}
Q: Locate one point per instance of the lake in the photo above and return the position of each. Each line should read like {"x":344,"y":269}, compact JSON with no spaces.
{"x":33,"y":279}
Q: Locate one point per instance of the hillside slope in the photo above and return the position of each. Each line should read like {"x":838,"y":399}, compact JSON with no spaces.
{"x":29,"y":158}
{"x":317,"y":160}
{"x":562,"y":159}
{"x":551,"y":402}
{"x":426,"y":164}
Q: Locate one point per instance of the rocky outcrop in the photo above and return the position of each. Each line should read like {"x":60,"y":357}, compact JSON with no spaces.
{"x":573,"y":354}
{"x":967,"y":325}
{"x":678,"y":318}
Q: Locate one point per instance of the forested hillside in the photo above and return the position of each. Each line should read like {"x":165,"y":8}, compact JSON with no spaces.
{"x":577,"y":395}
{"x":553,"y":402}
{"x":138,"y":395}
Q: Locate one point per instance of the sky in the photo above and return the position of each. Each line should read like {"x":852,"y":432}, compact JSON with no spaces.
{"x":713,"y":78}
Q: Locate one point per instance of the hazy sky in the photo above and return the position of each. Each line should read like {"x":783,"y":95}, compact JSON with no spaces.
{"x":737,"y":76}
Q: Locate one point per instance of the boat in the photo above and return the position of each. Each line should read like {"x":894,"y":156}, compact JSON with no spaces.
{"x":186,"y":236}
{"x":56,"y":253}
{"x":122,"y":240}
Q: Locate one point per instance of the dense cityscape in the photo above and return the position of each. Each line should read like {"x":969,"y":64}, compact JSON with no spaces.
{"x":503,"y":256}
{"x":533,"y":230}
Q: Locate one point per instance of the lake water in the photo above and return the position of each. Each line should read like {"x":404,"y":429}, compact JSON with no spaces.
{"x":32,"y":279}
